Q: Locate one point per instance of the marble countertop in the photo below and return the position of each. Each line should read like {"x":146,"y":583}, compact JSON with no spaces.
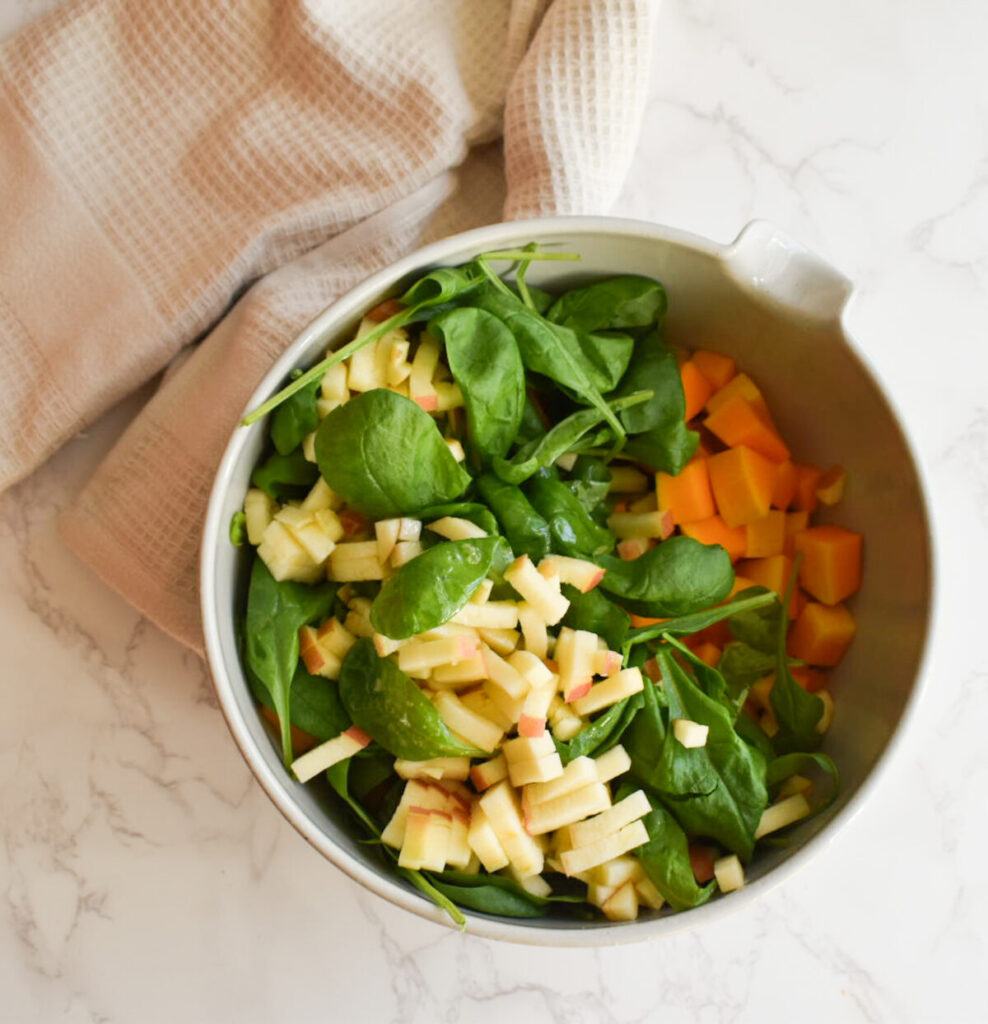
{"x":146,"y":877}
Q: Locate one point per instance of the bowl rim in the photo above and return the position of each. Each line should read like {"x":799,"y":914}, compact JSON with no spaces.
{"x":562,"y":934}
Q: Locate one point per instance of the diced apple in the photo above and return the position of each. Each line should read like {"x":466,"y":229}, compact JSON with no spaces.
{"x":549,"y":815}
{"x":627,"y":480}
{"x":333,"y":387}
{"x":606,"y":663}
{"x":426,"y":843}
{"x":622,"y":905}
{"x":729,"y":873}
{"x":485,"y":774}
{"x":438,"y":768}
{"x":482,"y":593}
{"x":634,"y":548}
{"x":409,"y":529}
{"x":458,"y":853}
{"x":307,"y":532}
{"x":536,"y":590}
{"x":491,"y":615}
{"x":616,"y":687}
{"x":565,"y":722}
{"x":420,"y":386}
{"x":484,"y":842}
{"x":598,"y":894}
{"x":385,"y":645}
{"x":611,"y":764}
{"x":259,"y":510}
{"x":577,"y":572}
{"x":646,"y":503}
{"x":534,"y":884}
{"x":450,"y":677}
{"x":394,"y":346}
{"x":575,"y":653}
{"x":566,"y":461}
{"x":500,"y":804}
{"x":309,"y":447}
{"x":795,"y":784}
{"x":454,"y":528}
{"x":632,"y":807}
{"x":617,"y":871}
{"x":418,"y":655}
{"x":386,"y":531}
{"x":690,"y":734}
{"x":648,"y":895}
{"x":827,"y":717}
{"x":580,"y":772}
{"x":322,"y":496}
{"x":544,"y":769}
{"x":533,"y":630}
{"x":448,"y":396}
{"x":500,"y":641}
{"x":785,"y":812}
{"x":354,"y":561}
{"x":477,"y":699}
{"x":641,"y":525}
{"x":508,"y":707}
{"x":473,"y":728}
{"x":505,"y":675}
{"x":456,"y":450}
{"x":285,"y":557}
{"x":405,"y":551}
{"x":586,"y":857}
{"x":358,"y":618}
{"x":335,"y":637}
{"x":365,"y":369}
{"x":317,"y":659}
{"x":522,"y":749}
{"x":532,"y":669}
{"x":417,"y":793}
{"x":339,"y":748}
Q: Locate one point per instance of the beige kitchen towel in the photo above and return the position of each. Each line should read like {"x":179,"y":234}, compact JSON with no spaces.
{"x":158,"y":161}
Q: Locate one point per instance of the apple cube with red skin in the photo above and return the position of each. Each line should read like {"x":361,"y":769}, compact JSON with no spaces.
{"x":419,"y":793}
{"x":550,"y":815}
{"x":423,"y":655}
{"x":473,"y":728}
{"x":616,"y":687}
{"x":634,"y":547}
{"x":533,"y":630}
{"x":317,"y":760}
{"x":536,"y":590}
{"x":606,"y":663}
{"x":577,"y":572}
{"x":500,"y":804}
{"x":483,"y":841}
{"x":457,"y":768}
{"x":426,"y":843}
{"x":490,"y":615}
{"x":622,"y":904}
{"x":485,"y":774}
{"x":576,"y":650}
{"x":580,"y":772}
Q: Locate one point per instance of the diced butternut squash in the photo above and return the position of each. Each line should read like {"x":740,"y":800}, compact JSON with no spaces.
{"x":737,"y":421}
{"x":773,"y":572}
{"x":796,"y":522}
{"x":830,"y":487}
{"x":742,"y":483}
{"x":740,"y":583}
{"x":785,"y":485}
{"x":687,"y":496}
{"x":810,"y":679}
{"x":715,"y":366}
{"x":715,"y":531}
{"x":708,"y":653}
{"x":696,"y":388}
{"x":766,"y":537}
{"x":831,"y":567}
{"x":741,"y":385}
{"x":822,"y":634}
{"x":807,"y":481}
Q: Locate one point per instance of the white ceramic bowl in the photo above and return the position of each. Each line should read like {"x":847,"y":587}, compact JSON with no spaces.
{"x":777,"y":308}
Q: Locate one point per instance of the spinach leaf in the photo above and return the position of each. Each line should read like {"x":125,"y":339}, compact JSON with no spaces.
{"x":238,"y":529}
{"x":757,"y":625}
{"x":430,"y":589}
{"x":666,"y":858}
{"x":532,"y":426}
{"x":731,"y":810}
{"x":526,"y":531}
{"x":609,"y":355}
{"x":285,"y":476}
{"x":604,"y":732}
{"x":709,"y":679}
{"x":661,"y":438}
{"x":296,"y":417}
{"x":546,"y":348}
{"x":275,"y":613}
{"x":677,"y":577}
{"x":646,"y":736}
{"x":543,"y":453}
{"x":616,"y":303}
{"x":754,"y":735}
{"x":315,"y":705}
{"x":589,"y":480}
{"x":484,"y":360}
{"x":490,"y":894}
{"x":742,"y":666}
{"x":781,"y":768}
{"x":573,"y":530}
{"x":385,"y":456}
{"x":593,"y":612}
{"x":392,"y":710}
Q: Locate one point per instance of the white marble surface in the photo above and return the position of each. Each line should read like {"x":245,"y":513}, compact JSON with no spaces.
{"x":145,"y":877}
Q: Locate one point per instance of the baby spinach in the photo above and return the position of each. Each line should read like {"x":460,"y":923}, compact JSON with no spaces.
{"x":616,"y":303}
{"x":531,"y":427}
{"x":385,"y":456}
{"x":756,"y":625}
{"x":285,"y":476}
{"x":484,"y":360}
{"x":295,"y":418}
{"x":490,"y":894}
{"x":742,"y":666}
{"x":608,"y":354}
{"x":392,"y":710}
{"x":526,"y":531}
{"x":604,"y":732}
{"x":646,"y":735}
{"x":315,"y":705}
{"x":781,"y":768}
{"x":430,"y":589}
{"x":275,"y":613}
{"x":708,"y":678}
{"x":730,"y":811}
{"x":593,"y":612}
{"x":589,"y":480}
{"x":677,"y":577}
{"x":573,"y":530}
{"x":238,"y":529}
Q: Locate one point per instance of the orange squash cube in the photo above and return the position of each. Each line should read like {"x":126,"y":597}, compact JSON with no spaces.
{"x":807,"y":481}
{"x":830,"y":487}
{"x":740,"y":583}
{"x":785,"y":485}
{"x":715,"y":366}
{"x":766,"y":536}
{"x":772,"y":573}
{"x":696,"y":388}
{"x":796,"y":522}
{"x":822,"y":634}
{"x":687,"y":496}
{"x":810,"y":679}
{"x":831,"y":567}
{"x":737,"y":421}
{"x":742,"y":483}
{"x":715,"y":531}
{"x":742,"y":386}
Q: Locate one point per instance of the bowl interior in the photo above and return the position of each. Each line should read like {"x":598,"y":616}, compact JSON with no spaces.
{"x":829,"y":408}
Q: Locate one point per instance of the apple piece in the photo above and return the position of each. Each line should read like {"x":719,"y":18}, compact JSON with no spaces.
{"x":577,"y":572}
{"x":409,"y":529}
{"x":632,"y":807}
{"x":533,"y":630}
{"x":566,"y":461}
{"x":333,"y":387}
{"x":627,"y":480}
{"x":575,"y":653}
{"x":622,"y":905}
{"x":531,"y":726}
{"x":417,"y":655}
{"x":618,"y":871}
{"x":426,"y":843}
{"x":580,"y":772}
{"x":473,"y":728}
{"x":504,"y":674}
{"x":307,"y":532}
{"x":536,"y":590}
{"x":827,"y":717}
{"x":655,"y":525}
{"x":339,"y":748}
{"x":453,"y":528}
{"x":478,"y":700}
{"x":729,"y":873}
{"x":316,"y":659}
{"x":386,"y":532}
{"x":420,"y":386}
{"x":437,"y":768}
{"x":485,"y":774}
{"x":690,"y":734}
{"x":616,"y":687}
{"x":606,"y":663}
{"x":785,"y":812}
{"x":523,"y":749}
{"x":500,"y":641}
{"x":329,"y":522}
{"x":418,"y":793}
{"x":586,"y":857}
{"x":384,"y":645}
{"x":543,"y":769}
{"x":335,"y":637}
{"x":458,"y":853}
{"x":508,"y":707}
{"x":533,"y":669}
{"x":599,"y":894}
{"x":365,"y":371}
{"x":634,"y":548}
{"x":795,"y":784}
{"x":564,"y":721}
{"x":259,"y":510}
{"x":353,"y":561}
{"x":571,"y":807}
{"x":484,"y":843}
{"x":448,"y":396}
{"x":482,"y":593}
{"x":646,"y":503}
{"x":456,"y":450}
{"x":285,"y":557}
{"x":309,"y":447}
{"x":648,"y":895}
{"x":395,"y":345}
{"x":500,"y":804}
{"x":612,"y":763}
{"x":358,"y":618}
{"x":405,"y":551}
{"x":534,"y":884}
{"x":449,"y":677}
{"x":491,"y":615}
